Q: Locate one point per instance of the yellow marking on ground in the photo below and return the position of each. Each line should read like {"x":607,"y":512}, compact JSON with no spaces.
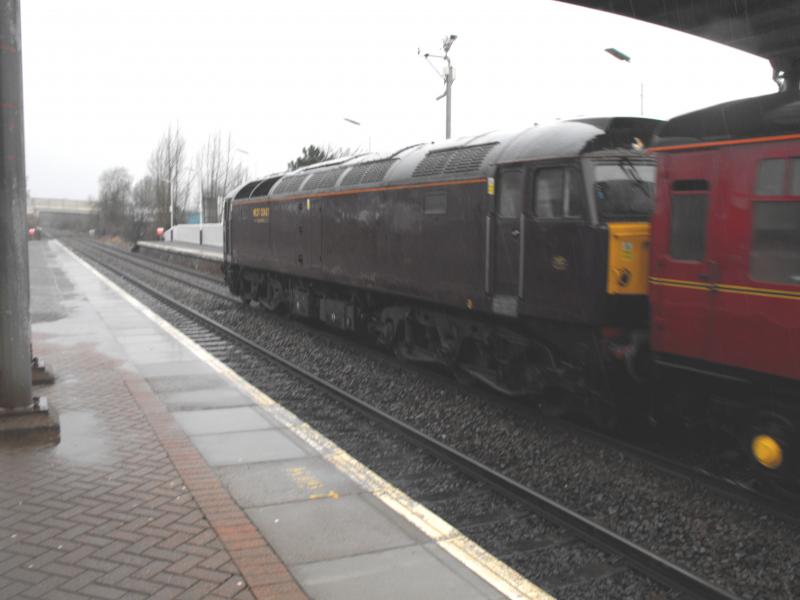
{"x":304,"y":479}
{"x":492,"y":570}
{"x":332,"y":495}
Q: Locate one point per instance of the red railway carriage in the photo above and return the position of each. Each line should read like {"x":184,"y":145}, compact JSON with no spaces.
{"x":725,"y":256}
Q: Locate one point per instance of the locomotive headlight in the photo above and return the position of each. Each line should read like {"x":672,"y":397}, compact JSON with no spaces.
{"x":767,"y":451}
{"x":623,"y":277}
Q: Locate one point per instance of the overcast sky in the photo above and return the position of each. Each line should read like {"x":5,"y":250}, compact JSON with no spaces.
{"x":103,"y":79}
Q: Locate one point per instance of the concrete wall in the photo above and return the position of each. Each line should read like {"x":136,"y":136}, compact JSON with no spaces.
{"x":190,"y":234}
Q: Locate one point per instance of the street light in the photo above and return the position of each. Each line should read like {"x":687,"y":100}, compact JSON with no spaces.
{"x":448,"y":77}
{"x":250,"y":159}
{"x":358,"y":124}
{"x":172,"y":196}
{"x":619,"y":55}
{"x":171,"y":202}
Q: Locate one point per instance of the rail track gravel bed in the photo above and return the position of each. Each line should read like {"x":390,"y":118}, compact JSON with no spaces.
{"x":747,"y":551}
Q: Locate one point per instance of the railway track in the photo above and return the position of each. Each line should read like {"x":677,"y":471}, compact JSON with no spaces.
{"x":731,"y":487}
{"x":219,"y":338}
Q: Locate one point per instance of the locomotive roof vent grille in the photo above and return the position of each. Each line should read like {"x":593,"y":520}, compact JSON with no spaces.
{"x":263,"y":188}
{"x":371,"y":172}
{"x":354,"y":176}
{"x":324,"y":179}
{"x":290,"y":184}
{"x":376,"y":171}
{"x":245,"y":191}
{"x":452,"y":160}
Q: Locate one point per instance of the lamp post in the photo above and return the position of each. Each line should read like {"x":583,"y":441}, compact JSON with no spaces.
{"x":358,"y":124}
{"x":249,"y":160}
{"x":448,"y":75}
{"x":619,"y":55}
{"x":171,"y":201}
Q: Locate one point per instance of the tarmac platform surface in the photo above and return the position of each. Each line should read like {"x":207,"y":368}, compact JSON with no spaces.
{"x":176,"y":479}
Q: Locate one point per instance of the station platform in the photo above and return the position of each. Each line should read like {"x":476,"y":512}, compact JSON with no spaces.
{"x":210,"y":253}
{"x":175,"y":478}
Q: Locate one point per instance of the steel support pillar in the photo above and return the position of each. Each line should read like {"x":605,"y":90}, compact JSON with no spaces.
{"x":15,"y":326}
{"x":23,"y":419}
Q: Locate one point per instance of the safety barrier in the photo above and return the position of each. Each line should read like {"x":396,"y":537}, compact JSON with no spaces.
{"x":209,"y":234}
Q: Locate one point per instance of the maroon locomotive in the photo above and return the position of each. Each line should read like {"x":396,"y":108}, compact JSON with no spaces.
{"x":506,"y":257}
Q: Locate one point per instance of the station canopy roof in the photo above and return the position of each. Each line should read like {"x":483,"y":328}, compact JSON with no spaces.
{"x":766,"y":28}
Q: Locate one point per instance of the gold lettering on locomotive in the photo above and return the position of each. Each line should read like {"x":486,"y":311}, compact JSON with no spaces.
{"x":261,"y":213}
{"x":560,"y":263}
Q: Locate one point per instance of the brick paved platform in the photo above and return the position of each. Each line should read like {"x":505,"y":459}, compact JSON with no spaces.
{"x":108,"y":512}
{"x":175,"y":479}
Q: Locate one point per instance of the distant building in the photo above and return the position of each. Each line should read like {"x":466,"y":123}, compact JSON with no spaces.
{"x":192,"y":217}
{"x":62,"y":213}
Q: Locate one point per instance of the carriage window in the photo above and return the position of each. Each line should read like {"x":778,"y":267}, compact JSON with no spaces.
{"x":775,"y":250}
{"x":512,"y":182}
{"x":550,"y":193}
{"x":687,"y":226}
{"x":794,"y":179}
{"x":435,"y":203}
{"x":770,"y":179}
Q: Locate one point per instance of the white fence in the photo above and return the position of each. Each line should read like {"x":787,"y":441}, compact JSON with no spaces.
{"x":209,"y":234}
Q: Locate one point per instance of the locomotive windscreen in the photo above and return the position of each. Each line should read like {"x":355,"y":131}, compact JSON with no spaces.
{"x":624,"y":189}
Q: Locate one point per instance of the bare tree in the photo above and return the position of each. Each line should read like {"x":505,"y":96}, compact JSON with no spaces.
{"x":167,"y":167}
{"x":143,"y":209}
{"x":115,"y":193}
{"x":217,"y":172}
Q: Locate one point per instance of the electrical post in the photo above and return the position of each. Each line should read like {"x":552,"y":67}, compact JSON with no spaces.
{"x":619,"y":55}
{"x":23,"y":419}
{"x":448,"y":80}
{"x":449,"y":96}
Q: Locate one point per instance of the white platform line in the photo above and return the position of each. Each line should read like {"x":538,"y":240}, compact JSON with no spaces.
{"x":492,"y":570}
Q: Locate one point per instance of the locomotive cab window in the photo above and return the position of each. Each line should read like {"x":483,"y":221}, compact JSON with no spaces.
{"x":558,"y":194}
{"x":512,"y":183}
{"x":687,"y":221}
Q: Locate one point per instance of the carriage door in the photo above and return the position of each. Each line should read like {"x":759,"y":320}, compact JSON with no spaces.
{"x":755,"y":312}
{"x":508,"y":241}
{"x":684,"y":276}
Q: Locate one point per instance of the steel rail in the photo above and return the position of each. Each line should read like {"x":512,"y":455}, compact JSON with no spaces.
{"x":142,"y":257}
{"x":725,"y":487}
{"x":136,"y":260}
{"x":638,"y":557}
